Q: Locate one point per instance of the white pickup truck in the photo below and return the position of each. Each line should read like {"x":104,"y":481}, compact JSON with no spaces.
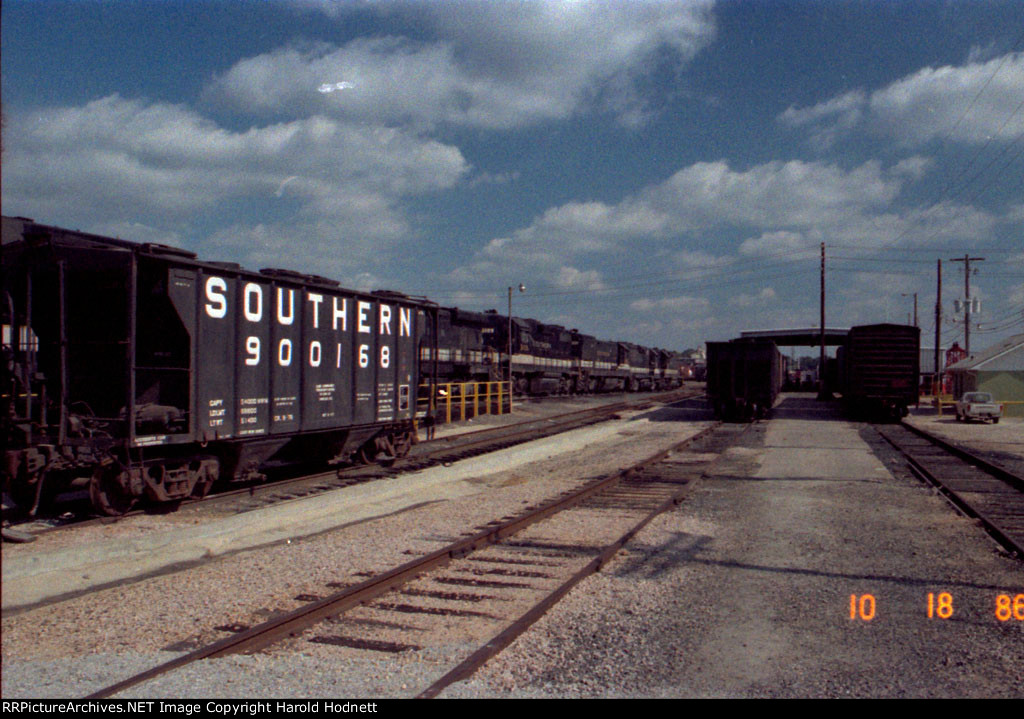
{"x":978,"y":405}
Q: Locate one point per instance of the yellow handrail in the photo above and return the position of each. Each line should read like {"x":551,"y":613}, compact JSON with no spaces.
{"x":448,"y":400}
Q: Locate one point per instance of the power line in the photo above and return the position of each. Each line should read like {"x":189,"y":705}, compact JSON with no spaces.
{"x":649,"y":280}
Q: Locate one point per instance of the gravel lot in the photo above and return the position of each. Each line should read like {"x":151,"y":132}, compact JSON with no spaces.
{"x":743,"y":591}
{"x":79,"y":645}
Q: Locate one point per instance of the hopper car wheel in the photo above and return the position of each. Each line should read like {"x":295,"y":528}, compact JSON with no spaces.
{"x":403,"y":443}
{"x":367,"y":454}
{"x":202,"y":489}
{"x":107,"y":494}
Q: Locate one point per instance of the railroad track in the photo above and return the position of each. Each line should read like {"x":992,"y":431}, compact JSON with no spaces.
{"x":449,"y":448}
{"x":978,"y":488}
{"x":520,"y":566}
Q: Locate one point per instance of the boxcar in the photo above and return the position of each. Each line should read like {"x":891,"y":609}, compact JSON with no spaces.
{"x":879,"y":367}
{"x":744,"y":378}
{"x":155,"y":374}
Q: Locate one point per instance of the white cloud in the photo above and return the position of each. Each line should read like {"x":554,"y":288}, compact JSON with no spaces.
{"x":787,"y":209}
{"x":334,"y":192}
{"x":747,"y":300}
{"x":1015,"y":213}
{"x":842,"y":106}
{"x":672,"y":304}
{"x":495,"y":65}
{"x":1017,"y":295}
{"x":138,"y":232}
{"x":329,"y":87}
{"x":702,"y":196}
{"x":572,"y":278}
{"x":775,"y":243}
{"x":981,"y":54}
{"x":828,"y":119}
{"x":927,"y":105}
{"x":913,"y":168}
{"x":774,"y":193}
{"x":114,"y":160}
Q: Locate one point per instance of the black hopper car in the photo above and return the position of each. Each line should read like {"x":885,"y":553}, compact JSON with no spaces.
{"x":879,"y":370}
{"x":146,"y":372}
{"x":157,"y":374}
{"x":744,"y":378}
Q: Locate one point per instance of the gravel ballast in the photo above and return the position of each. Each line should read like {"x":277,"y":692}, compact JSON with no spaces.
{"x":63,"y":649}
{"x":742,"y":591}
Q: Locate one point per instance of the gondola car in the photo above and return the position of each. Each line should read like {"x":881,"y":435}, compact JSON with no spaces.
{"x":155,"y":374}
{"x":744,"y":378}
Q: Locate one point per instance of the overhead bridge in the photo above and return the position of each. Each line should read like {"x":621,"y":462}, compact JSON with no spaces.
{"x":810,"y":337}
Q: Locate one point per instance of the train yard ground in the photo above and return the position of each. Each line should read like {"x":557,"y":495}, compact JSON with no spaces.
{"x":804,"y":562}
{"x":1001,"y":443}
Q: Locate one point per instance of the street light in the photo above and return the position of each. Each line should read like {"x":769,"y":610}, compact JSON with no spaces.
{"x":914,"y":295}
{"x":522,"y":288}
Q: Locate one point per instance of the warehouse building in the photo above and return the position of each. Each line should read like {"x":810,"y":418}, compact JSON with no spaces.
{"x":998,"y":370}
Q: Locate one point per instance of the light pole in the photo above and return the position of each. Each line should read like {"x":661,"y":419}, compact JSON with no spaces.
{"x":914,"y":295}
{"x":522,"y":288}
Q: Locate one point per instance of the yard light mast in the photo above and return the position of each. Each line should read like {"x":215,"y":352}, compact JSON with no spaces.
{"x":522,"y":288}
{"x":914,"y":295}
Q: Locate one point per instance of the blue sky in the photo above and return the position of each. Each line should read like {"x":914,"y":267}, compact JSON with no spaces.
{"x":658,"y":172}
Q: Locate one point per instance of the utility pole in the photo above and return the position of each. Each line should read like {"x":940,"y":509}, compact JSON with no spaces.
{"x":821,"y":357}
{"x":967,"y":260}
{"x":936,"y":382}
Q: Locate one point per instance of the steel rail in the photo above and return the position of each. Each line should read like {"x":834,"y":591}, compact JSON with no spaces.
{"x":480,"y":657}
{"x":444,"y":446}
{"x":498,"y":643}
{"x":294,"y":622}
{"x":993,"y":525}
{"x":996,"y":470}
